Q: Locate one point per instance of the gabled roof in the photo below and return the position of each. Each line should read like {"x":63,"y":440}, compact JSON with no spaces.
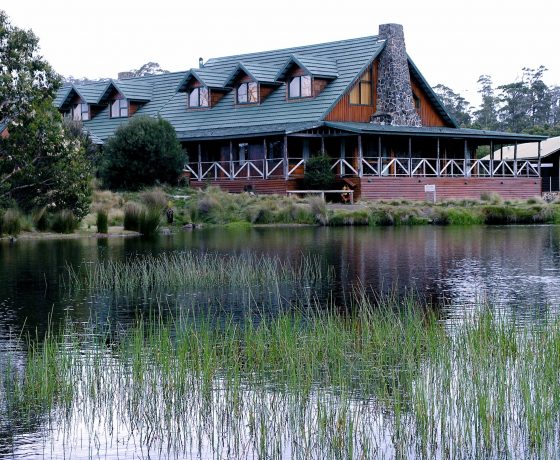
{"x":89,"y":93}
{"x":133,"y":89}
{"x":317,"y":66}
{"x":258,"y":72}
{"x":211,"y":78}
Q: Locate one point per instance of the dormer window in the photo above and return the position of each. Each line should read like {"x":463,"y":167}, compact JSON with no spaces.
{"x":80,"y":112}
{"x":248,"y":93}
{"x":119,"y":108}
{"x":299,"y":87}
{"x":198,"y":97}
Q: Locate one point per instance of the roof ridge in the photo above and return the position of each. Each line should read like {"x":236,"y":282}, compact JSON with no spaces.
{"x":291,"y":49}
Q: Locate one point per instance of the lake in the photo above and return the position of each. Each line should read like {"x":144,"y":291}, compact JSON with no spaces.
{"x":515,"y":269}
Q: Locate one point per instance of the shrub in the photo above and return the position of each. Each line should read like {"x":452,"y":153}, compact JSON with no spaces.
{"x":64,"y":222}
{"x":340,"y":218}
{"x":102,"y":221}
{"x":40,"y":219}
{"x":381,"y":217}
{"x":318,"y":173}
{"x":11,"y":222}
{"x":491,"y":197}
{"x":142,"y":152}
{"x":132,"y":215}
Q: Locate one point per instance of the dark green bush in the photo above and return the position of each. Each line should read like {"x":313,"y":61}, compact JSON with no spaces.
{"x":142,"y":152}
{"x":341,"y":218}
{"x":318,"y":173}
{"x":64,"y":222}
{"x":40,"y":219}
{"x":102,"y":221}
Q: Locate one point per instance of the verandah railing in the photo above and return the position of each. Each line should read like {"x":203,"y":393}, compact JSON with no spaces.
{"x":370,"y":166}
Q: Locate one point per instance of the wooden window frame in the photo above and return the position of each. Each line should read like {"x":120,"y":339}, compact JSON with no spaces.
{"x":199,"y":106}
{"x":358,"y":86}
{"x":296,"y":98}
{"x":247,"y":83}
{"x":124,"y":106}
{"x":83,"y":115}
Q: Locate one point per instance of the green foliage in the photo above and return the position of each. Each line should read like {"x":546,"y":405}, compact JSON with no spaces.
{"x":455,"y":104}
{"x":63,"y":221}
{"x":150,"y":219}
{"x":142,"y":152}
{"x":318,"y":173}
{"x":44,"y":165}
{"x":26,"y":79}
{"x":102,"y":221}
{"x":11,"y":222}
{"x":342,"y":218}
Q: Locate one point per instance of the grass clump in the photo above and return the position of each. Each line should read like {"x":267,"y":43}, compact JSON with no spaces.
{"x":11,"y":222}
{"x":40,"y":219}
{"x":342,"y":218}
{"x":63,"y":221}
{"x":102,"y":221}
{"x":132,"y":215}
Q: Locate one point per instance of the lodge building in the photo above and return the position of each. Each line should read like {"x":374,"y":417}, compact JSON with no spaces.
{"x":255,"y":119}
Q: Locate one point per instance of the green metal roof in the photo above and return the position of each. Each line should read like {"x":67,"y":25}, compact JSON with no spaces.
{"x":317,"y":66}
{"x":342,"y":62}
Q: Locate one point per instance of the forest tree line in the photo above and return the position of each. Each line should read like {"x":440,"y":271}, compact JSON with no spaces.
{"x":527,"y":105}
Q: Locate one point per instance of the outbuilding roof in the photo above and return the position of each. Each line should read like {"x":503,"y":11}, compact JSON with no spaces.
{"x":528,"y":151}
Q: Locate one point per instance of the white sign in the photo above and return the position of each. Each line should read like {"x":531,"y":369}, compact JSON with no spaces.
{"x":430,"y":188}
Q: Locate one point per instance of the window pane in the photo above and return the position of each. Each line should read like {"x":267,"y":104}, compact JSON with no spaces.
{"x":242,"y":93}
{"x":203,"y":97}
{"x":77,"y":112}
{"x":355,"y":95}
{"x":85,"y":112}
{"x":306,"y":86}
{"x":366,"y":76}
{"x":253,"y":93}
{"x":365,"y":91}
{"x":193,"y":98}
{"x":294,"y":88}
{"x":115,"y":109}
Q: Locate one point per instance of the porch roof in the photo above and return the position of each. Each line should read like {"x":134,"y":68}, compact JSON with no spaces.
{"x":425,"y":131}
{"x":246,"y":131}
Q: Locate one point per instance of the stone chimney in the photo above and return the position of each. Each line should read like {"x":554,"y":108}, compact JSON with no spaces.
{"x":395,"y":104}
{"x":123,"y":75}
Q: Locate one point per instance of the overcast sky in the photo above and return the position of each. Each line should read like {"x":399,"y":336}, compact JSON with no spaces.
{"x":451,"y":42}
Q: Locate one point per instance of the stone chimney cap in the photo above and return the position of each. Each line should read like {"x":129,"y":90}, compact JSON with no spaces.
{"x":391,"y":30}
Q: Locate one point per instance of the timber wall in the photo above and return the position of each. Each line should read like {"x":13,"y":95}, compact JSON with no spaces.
{"x":260,"y":186}
{"x":412,"y":188}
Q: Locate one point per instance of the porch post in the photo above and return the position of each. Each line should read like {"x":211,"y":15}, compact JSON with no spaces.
{"x":360,"y":157}
{"x":322,"y":144}
{"x":379,"y":164}
{"x":231,"y":160}
{"x":199,"y":162}
{"x":285,"y":159}
{"x":438,"y":166}
{"x":265,"y":160}
{"x":515,"y":159}
{"x":539,"y":159}
{"x":410,"y":156}
{"x":491,"y":158}
{"x":465,"y":165}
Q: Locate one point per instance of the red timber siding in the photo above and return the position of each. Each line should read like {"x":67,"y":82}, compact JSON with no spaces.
{"x":427,"y":112}
{"x":133,"y":108}
{"x":412,"y":188}
{"x":344,"y":111}
{"x":261,"y":186}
